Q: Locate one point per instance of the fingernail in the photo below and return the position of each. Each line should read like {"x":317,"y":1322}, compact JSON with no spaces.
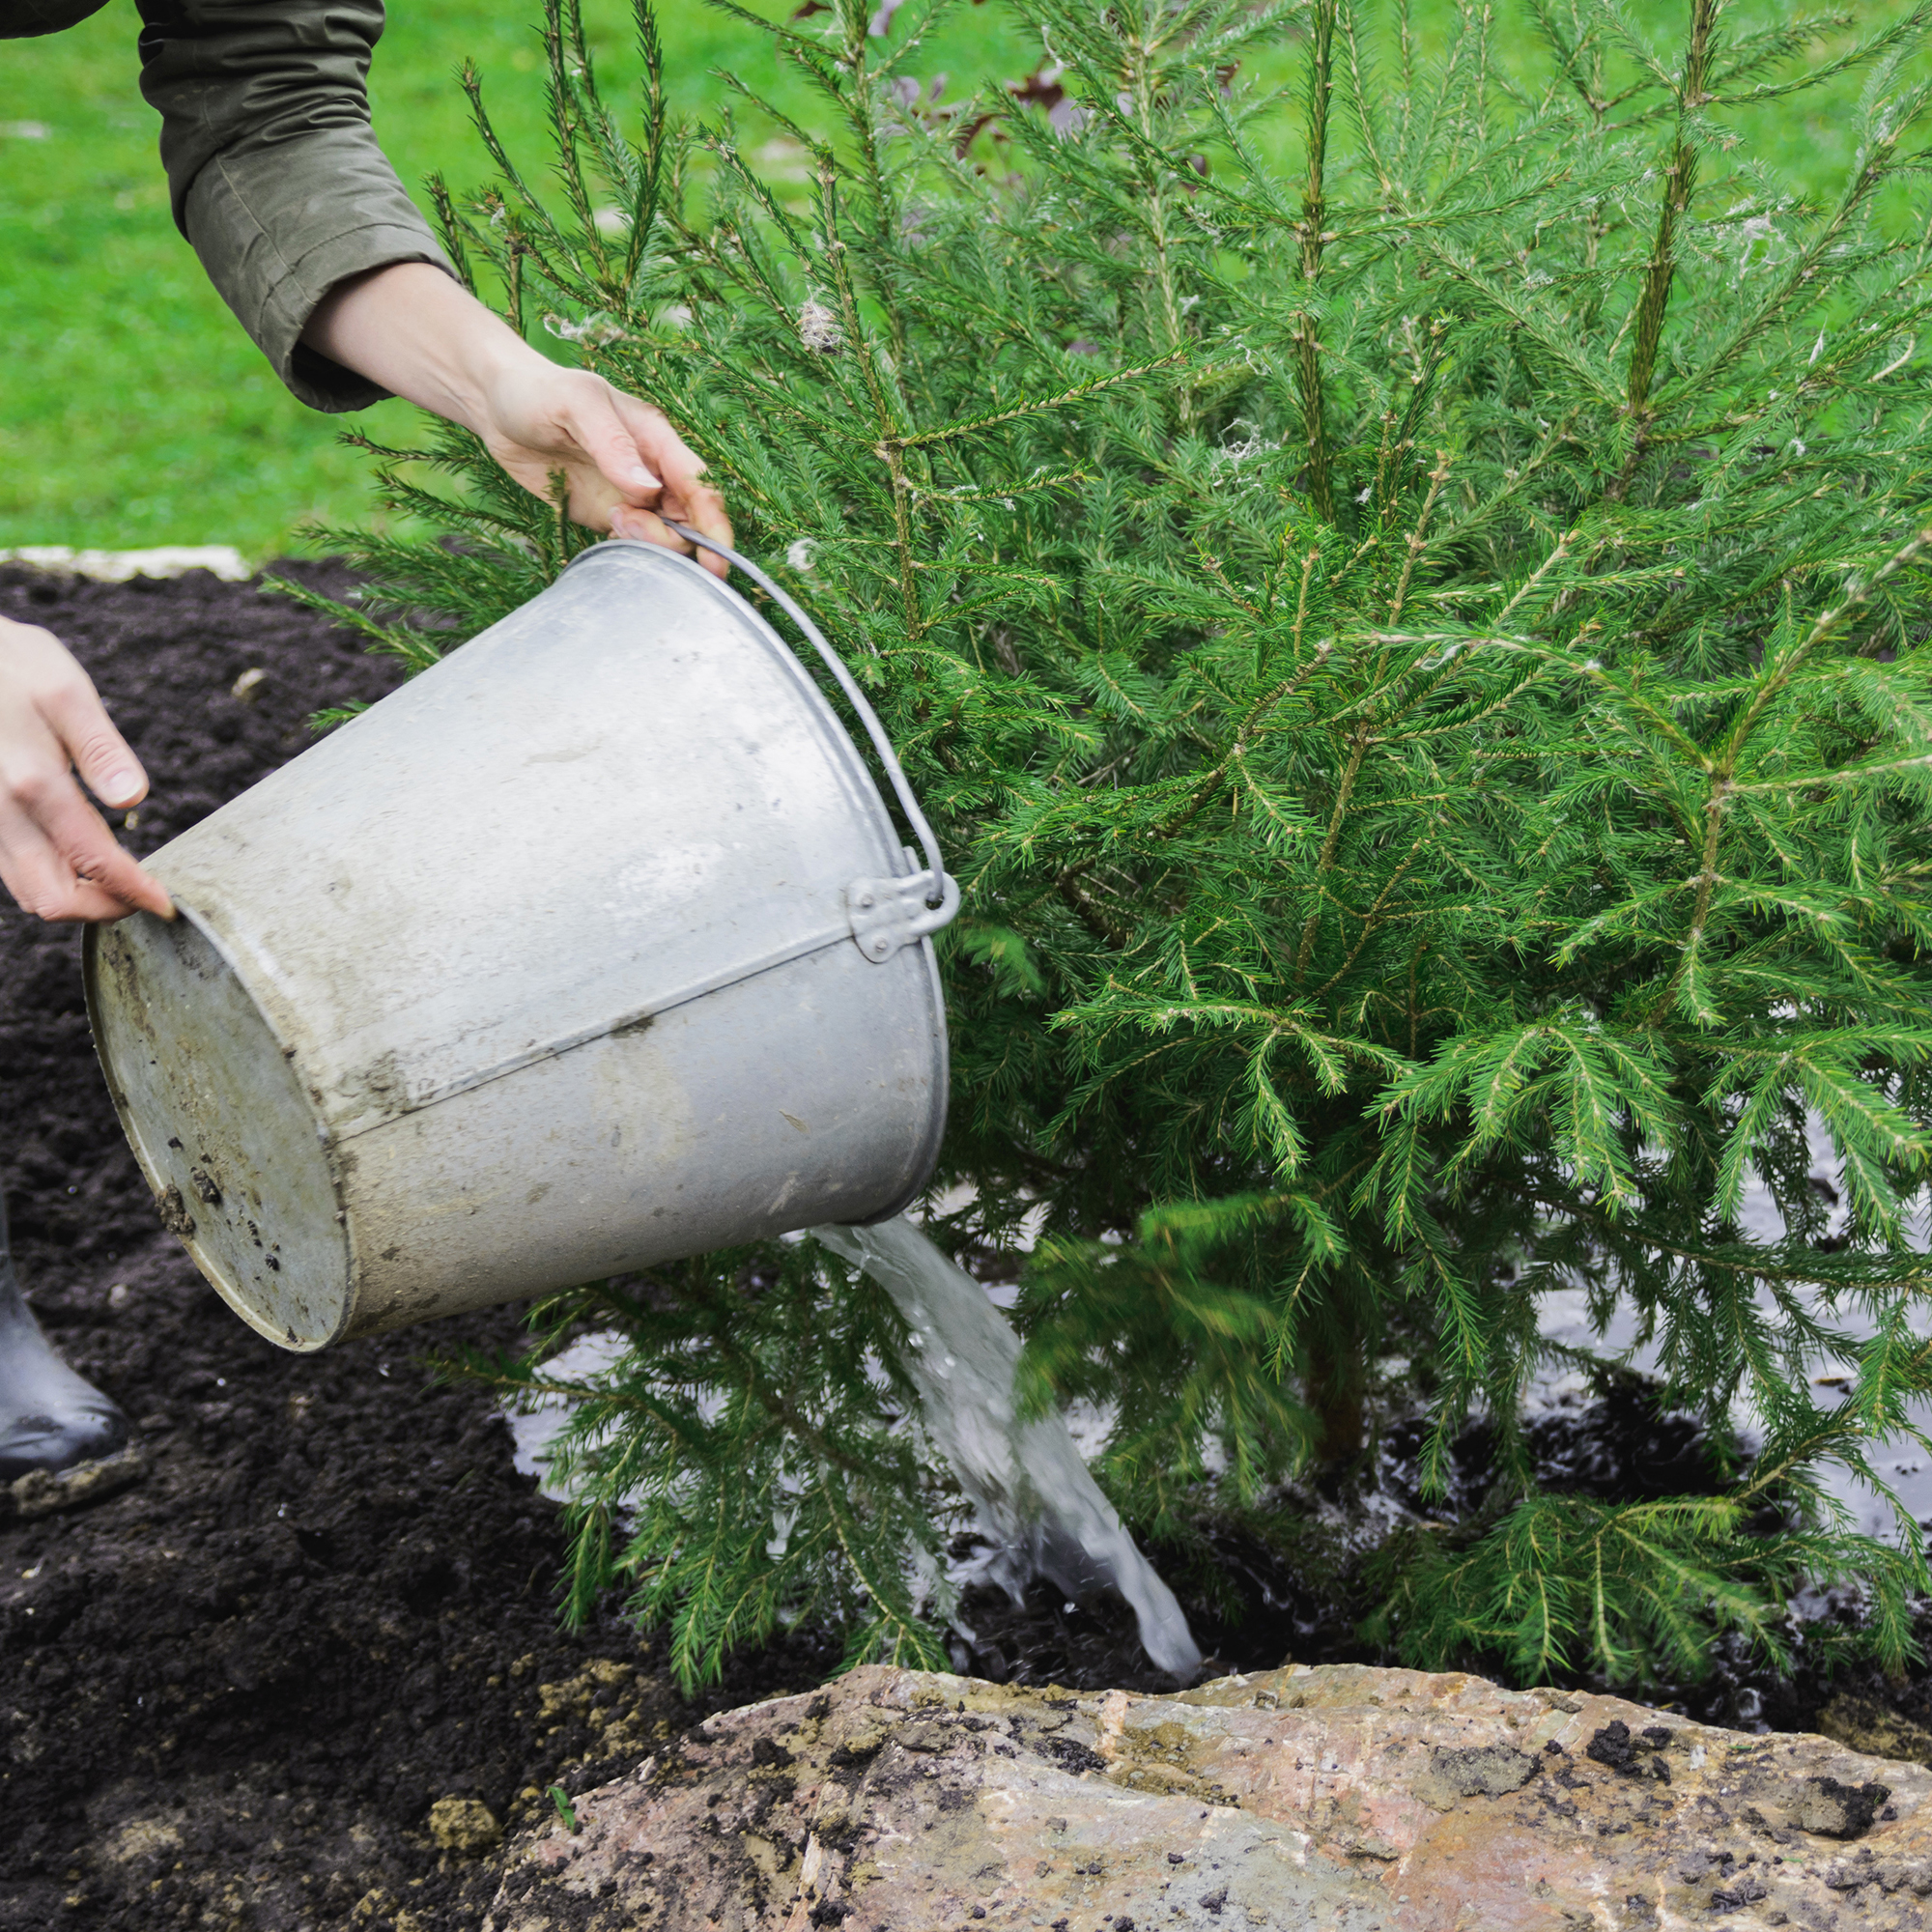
{"x":117,"y":784}
{"x":644,"y":478}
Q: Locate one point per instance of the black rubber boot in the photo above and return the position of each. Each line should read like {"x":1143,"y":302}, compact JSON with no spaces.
{"x":49,"y":1418}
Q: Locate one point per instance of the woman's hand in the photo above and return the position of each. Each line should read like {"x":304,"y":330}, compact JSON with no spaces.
{"x":421,"y":335}
{"x":57,"y":857}
{"x":628,"y":468}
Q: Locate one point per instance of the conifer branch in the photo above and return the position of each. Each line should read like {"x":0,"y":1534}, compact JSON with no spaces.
{"x":1680,"y":183}
{"x":1416,"y":545}
{"x":567,"y":128}
{"x":452,"y":229}
{"x":1358,"y":746}
{"x":1827,"y":625}
{"x":648,"y":174}
{"x":517,"y":242}
{"x":1305,"y":332}
{"x":974,"y":425}
{"x":888,"y":424}
{"x":1210,"y":788}
{"x":1372,"y":918}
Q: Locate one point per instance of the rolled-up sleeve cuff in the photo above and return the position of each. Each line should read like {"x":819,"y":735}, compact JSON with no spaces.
{"x":277,"y":227}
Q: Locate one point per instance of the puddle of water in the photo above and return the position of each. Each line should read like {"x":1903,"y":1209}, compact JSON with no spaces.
{"x":1040,"y":1512}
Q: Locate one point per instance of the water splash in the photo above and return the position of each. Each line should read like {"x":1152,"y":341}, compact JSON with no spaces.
{"x":1027,"y":1478}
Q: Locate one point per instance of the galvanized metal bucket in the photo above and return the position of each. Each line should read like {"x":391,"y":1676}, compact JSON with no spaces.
{"x":592,"y":947}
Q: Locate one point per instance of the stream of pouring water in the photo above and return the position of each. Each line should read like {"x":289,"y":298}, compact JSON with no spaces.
{"x":1027,"y":1478}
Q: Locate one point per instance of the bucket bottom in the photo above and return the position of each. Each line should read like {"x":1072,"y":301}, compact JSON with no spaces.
{"x":217,"y":1119}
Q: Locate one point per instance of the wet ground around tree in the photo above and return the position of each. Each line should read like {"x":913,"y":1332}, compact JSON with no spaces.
{"x":1297,"y":1585}
{"x":241,"y":1692}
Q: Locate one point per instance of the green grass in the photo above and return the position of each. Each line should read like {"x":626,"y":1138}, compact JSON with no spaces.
{"x":132,"y":409}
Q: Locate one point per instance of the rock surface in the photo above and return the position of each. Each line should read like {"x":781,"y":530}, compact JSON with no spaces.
{"x":1340,"y":1797}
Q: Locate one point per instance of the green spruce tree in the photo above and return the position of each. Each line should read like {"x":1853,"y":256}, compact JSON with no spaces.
{"x":1417,"y":657}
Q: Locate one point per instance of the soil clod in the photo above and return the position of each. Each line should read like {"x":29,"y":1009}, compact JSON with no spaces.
{"x":42,"y":1491}
{"x":1835,"y":1810}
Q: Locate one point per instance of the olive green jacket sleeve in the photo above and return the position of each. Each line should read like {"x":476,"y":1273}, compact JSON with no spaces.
{"x":273,"y":172}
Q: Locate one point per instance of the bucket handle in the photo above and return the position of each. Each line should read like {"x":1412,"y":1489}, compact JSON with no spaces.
{"x":939,"y":891}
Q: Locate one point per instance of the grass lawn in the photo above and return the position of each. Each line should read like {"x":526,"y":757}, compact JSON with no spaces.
{"x":132,"y":409}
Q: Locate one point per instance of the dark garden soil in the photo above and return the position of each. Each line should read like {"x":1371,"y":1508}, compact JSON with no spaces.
{"x":232,"y":1694}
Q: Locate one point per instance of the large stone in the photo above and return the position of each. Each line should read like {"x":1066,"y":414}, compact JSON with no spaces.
{"x":1335,"y":1797}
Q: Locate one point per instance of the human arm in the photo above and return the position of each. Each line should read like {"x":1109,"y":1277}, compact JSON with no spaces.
{"x":57,"y":857}
{"x":275,"y":176}
{"x":420,"y":335}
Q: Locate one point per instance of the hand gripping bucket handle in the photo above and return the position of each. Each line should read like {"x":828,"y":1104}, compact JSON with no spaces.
{"x":935,"y":888}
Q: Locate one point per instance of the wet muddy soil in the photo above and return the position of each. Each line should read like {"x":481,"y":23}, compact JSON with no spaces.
{"x":278,"y":1681}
